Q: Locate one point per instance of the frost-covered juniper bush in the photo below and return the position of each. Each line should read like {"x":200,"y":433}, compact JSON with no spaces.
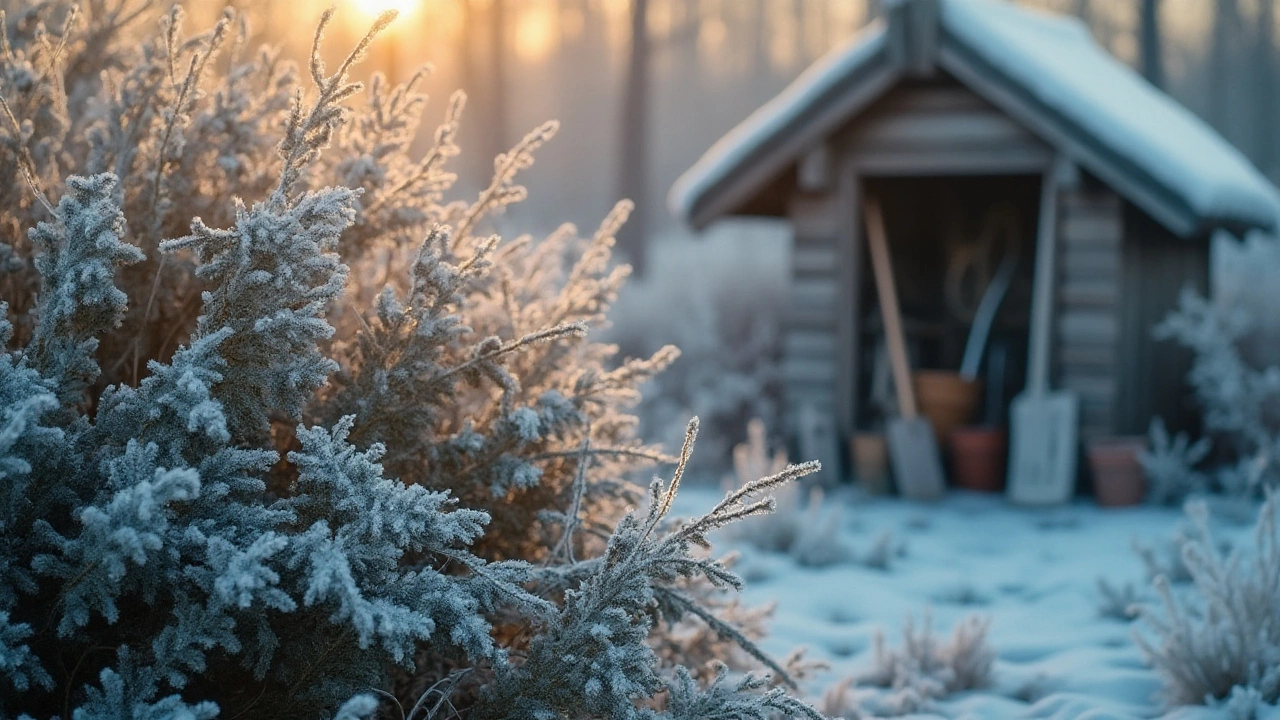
{"x":283,"y":434}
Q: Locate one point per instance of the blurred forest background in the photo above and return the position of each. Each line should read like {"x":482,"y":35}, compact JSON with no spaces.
{"x":643,"y":87}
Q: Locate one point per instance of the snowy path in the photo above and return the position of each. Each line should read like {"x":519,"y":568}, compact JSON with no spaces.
{"x":1034,"y":572}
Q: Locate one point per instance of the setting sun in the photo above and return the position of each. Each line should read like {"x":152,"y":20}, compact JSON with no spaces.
{"x":374,"y":8}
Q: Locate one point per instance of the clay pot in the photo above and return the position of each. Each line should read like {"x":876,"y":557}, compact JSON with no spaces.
{"x":947,"y":399}
{"x":978,"y":456}
{"x":871,"y":462}
{"x":1117,"y":475}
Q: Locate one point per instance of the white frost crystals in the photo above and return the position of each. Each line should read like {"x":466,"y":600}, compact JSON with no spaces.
{"x":1224,"y":633}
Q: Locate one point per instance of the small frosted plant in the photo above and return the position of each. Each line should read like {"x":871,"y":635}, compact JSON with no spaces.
{"x":1170,"y":465}
{"x":778,"y":531}
{"x":1117,"y":602}
{"x":924,"y":669}
{"x":1223,"y":633}
{"x":810,"y":533}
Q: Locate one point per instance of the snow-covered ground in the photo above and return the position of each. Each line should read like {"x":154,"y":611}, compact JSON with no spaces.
{"x":1033,"y":572}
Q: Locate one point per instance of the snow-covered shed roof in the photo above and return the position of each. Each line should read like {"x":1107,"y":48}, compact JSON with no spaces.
{"x":1044,"y":71}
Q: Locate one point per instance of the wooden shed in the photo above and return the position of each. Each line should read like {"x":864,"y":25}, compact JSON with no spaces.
{"x":955,"y":113}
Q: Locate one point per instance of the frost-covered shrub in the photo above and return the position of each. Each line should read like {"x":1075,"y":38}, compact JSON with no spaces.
{"x":842,"y":700}
{"x":1167,"y":558}
{"x":280,"y":426}
{"x":883,"y":551}
{"x":818,"y":542}
{"x":1169,"y":464}
{"x":924,"y":669}
{"x":1240,"y":399}
{"x":1224,"y":632}
{"x":1164,"y":559}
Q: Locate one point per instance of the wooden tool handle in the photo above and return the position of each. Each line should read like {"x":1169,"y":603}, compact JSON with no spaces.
{"x":883,"y":269}
{"x":1042,"y":294}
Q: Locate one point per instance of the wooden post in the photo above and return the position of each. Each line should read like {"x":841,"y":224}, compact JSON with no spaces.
{"x":849,"y":319}
{"x":1042,"y":292}
{"x":1043,"y":426}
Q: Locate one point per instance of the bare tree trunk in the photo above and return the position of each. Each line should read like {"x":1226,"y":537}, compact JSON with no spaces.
{"x":1226,"y":23}
{"x":483,"y":78}
{"x":633,"y":167}
{"x":1084,"y":10}
{"x":1264,"y":92}
{"x":761,"y":66}
{"x":797,"y":11}
{"x":497,"y":47}
{"x":1149,"y":38}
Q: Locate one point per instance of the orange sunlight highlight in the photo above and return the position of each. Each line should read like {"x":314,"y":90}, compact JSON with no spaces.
{"x":371,"y":9}
{"x":536,"y":32}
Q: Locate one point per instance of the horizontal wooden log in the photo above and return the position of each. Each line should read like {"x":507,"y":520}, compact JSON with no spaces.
{"x":815,"y":259}
{"x":809,"y":343}
{"x":1077,"y":229}
{"x":813,"y":292}
{"x":810,"y":318}
{"x":809,"y":370}
{"x":815,"y":216}
{"x":795,"y":397}
{"x":1087,"y":357}
{"x":933,"y":99}
{"x":1090,"y":264}
{"x":1089,"y":201}
{"x":976,"y":160}
{"x":1084,"y":326}
{"x":1088,"y":293}
{"x":1090,"y":388}
{"x":934,"y":130}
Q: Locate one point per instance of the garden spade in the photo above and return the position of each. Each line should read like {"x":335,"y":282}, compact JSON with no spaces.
{"x":913,"y":450}
{"x":1043,"y":424}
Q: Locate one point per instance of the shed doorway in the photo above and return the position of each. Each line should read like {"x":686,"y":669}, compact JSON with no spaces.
{"x":947,"y":237}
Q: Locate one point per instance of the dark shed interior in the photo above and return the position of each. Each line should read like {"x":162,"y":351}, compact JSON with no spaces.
{"x":947,"y":236}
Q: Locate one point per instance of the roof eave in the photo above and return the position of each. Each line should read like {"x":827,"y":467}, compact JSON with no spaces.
{"x":1127,"y":178}
{"x":726,"y":189}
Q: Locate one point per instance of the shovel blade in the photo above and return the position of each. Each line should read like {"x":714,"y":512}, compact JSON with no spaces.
{"x":1042,"y":459}
{"x":913,"y":451}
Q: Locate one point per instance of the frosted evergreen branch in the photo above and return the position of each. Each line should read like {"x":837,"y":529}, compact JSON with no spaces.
{"x":726,"y":631}
{"x":177,"y":114}
{"x":305,"y":136}
{"x":492,"y":348}
{"x":563,"y":549}
{"x":444,"y":148}
{"x":28,"y":164}
{"x":594,"y":659}
{"x":631,"y":453}
{"x":501,"y":190}
{"x":80,"y":252}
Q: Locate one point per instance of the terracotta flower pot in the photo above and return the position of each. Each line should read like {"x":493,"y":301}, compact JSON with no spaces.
{"x":947,"y":399}
{"x":871,"y":461}
{"x":1117,"y":475}
{"x":978,"y":456}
